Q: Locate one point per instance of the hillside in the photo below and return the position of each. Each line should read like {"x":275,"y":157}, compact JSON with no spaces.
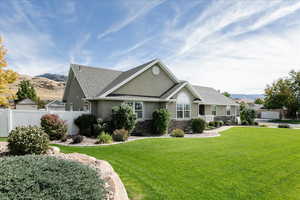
{"x":46,"y":89}
{"x":54,"y":77}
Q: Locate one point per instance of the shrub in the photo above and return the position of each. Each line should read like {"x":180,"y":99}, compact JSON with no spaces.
{"x":221,"y":123}
{"x":27,"y":140}
{"x":160,"y":121}
{"x":85,"y":124}
{"x":104,"y":138}
{"x":54,"y":126}
{"x":211,"y":124}
{"x":198,"y":125}
{"x":101,"y":126}
{"x":263,"y":125}
{"x":284,"y":126}
{"x":256,"y":123}
{"x":45,"y":177}
{"x":123,"y":118}
{"x":248,"y":115}
{"x":177,"y":133}
{"x":120,"y":135}
{"x":245,"y":123}
{"x":76,"y":139}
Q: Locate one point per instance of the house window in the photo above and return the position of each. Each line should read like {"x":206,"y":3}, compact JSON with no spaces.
{"x":137,"y":108}
{"x":214,"y":110}
{"x":228,"y":111}
{"x":183,"y":111}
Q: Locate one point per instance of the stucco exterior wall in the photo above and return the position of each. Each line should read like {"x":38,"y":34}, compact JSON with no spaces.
{"x":147,"y":84}
{"x":75,"y":96}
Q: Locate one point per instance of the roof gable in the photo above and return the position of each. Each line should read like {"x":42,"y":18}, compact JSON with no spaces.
{"x":129,"y":75}
{"x":212,"y":96}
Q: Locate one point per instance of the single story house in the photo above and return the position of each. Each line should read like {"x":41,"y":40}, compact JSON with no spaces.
{"x":26,"y":104}
{"x":56,"y":105}
{"x":146,"y":88}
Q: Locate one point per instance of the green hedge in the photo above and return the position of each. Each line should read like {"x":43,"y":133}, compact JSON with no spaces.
{"x":43,"y":177}
{"x":160,"y":121}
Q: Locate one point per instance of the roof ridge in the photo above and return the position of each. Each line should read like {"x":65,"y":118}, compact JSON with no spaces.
{"x":101,"y":68}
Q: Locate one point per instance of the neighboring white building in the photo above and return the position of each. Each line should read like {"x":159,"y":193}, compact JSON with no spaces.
{"x":56,"y":105}
{"x":26,"y":104}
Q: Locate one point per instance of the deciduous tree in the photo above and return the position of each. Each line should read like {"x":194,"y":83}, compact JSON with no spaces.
{"x":6,"y":77}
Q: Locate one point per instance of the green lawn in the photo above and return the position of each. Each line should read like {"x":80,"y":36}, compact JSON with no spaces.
{"x":3,"y":139}
{"x":286,"y":121}
{"x":244,"y":163}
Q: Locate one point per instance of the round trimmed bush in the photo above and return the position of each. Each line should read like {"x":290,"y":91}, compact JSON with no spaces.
{"x":160,"y":121}
{"x":85,"y":124}
{"x":120,"y":135}
{"x":44,"y":177}
{"x":76,"y":139}
{"x":104,"y":138}
{"x":55,"y":127}
{"x":177,"y":133}
{"x":198,"y":125}
{"x":27,"y":140}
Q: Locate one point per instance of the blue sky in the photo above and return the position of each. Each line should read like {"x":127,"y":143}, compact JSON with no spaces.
{"x":236,"y":46}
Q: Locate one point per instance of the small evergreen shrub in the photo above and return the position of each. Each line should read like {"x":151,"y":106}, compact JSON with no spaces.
{"x":256,"y":123}
{"x":212,"y":123}
{"x":27,"y":140}
{"x":101,"y":126}
{"x":85,"y":124}
{"x":120,"y":135}
{"x":45,"y":177}
{"x":177,"y":133}
{"x":284,"y":126}
{"x":76,"y":139}
{"x":198,"y":125}
{"x":104,"y":138}
{"x":54,"y":126}
{"x":245,"y":123}
{"x":123,"y":117}
{"x":221,"y":123}
{"x":263,"y":125}
{"x":160,"y":121}
{"x":248,"y":115}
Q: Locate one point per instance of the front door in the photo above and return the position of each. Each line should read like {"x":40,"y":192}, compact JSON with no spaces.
{"x":201,"y":109}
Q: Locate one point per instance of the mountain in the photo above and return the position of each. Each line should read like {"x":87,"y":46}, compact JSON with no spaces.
{"x":247,"y":96}
{"x":46,"y":89}
{"x":54,"y":77}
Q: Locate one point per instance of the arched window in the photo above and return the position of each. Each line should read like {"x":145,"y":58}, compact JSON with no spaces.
{"x":183,"y":106}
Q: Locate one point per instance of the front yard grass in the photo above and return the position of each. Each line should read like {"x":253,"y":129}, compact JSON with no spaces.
{"x":3,"y":139}
{"x":244,"y":163}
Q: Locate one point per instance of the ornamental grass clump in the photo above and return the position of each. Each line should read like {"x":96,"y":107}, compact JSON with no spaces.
{"x":45,"y":177}
{"x":104,"y":138}
{"x":28,"y":140}
{"x":177,"y":133}
{"x":120,"y":135}
{"x":55,"y":127}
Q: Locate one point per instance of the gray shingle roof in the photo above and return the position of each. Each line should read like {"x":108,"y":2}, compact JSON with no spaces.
{"x":93,"y":80}
{"x":211,"y":96}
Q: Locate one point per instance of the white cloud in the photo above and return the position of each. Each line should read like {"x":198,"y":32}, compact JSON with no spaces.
{"x":135,"y":10}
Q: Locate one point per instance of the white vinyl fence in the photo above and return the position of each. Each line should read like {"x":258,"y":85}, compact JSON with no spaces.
{"x":10,"y":119}
{"x":270,"y":115}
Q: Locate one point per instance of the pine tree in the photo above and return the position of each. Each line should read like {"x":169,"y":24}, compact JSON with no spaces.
{"x":26,"y":90}
{"x":6,"y":77}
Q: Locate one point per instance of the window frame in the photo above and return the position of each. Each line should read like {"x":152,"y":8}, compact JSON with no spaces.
{"x":183,"y":110}
{"x":214,"y":110}
{"x":133,"y":103}
{"x":228,"y":110}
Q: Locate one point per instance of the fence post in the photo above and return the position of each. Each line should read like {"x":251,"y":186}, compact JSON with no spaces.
{"x":9,"y":120}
